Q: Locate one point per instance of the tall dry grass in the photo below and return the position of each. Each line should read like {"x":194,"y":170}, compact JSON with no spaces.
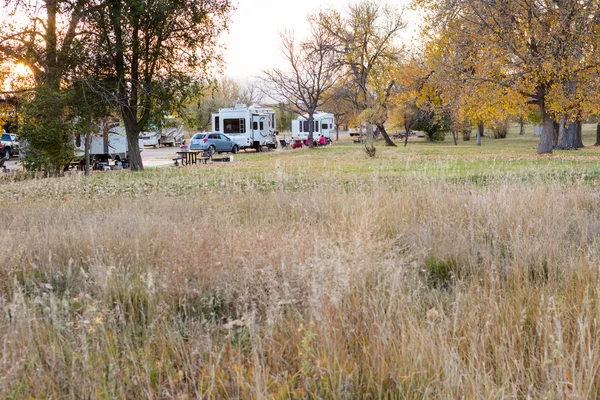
{"x":299,"y":288}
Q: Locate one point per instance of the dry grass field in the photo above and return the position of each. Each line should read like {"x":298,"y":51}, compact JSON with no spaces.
{"x":428,"y":272}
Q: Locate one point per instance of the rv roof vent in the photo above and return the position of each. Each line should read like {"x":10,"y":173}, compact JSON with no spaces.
{"x":240,"y":106}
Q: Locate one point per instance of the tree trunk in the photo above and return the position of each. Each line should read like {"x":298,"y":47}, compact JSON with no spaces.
{"x":569,"y":138}
{"x":597,"y":135}
{"x":311,"y":129}
{"x":133,"y":141}
{"x":337,"y":133}
{"x":562,"y":133}
{"x":386,"y":137}
{"x":480,"y":128}
{"x":105,"y":137}
{"x":87,"y":145}
{"x":52,"y":74}
{"x":545,"y":144}
{"x":135,"y":157}
{"x":521,"y":126}
{"x":455,"y":137}
{"x":555,"y":134}
{"x":578,"y":130}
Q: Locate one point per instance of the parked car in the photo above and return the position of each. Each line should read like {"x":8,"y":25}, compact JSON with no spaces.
{"x":10,"y":144}
{"x":213,"y":143}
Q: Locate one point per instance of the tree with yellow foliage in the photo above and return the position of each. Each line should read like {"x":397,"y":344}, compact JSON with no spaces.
{"x":366,"y":49}
{"x":539,"y":49}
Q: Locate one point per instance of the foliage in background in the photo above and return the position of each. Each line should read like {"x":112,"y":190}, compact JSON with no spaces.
{"x":538,"y":51}
{"x":217,"y":94}
{"x":47,"y":127}
{"x":156,"y":55}
{"x":365,"y":46}
{"x":311,"y":71}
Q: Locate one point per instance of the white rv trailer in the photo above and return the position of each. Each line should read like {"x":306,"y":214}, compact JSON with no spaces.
{"x":115,"y":146}
{"x":151,"y":138}
{"x":171,"y":133}
{"x":324,"y":125}
{"x":249,"y":127}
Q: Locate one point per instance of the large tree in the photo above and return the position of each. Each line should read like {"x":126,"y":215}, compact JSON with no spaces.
{"x":311,"y":72}
{"x":540,"y":49}
{"x":156,"y":53}
{"x":46,"y":36}
{"x":366,"y":45}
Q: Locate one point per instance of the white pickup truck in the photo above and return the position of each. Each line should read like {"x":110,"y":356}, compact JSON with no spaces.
{"x":10,"y":143}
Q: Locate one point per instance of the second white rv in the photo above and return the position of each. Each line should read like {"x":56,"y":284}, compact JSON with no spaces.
{"x":114,"y":146}
{"x":170,"y":134}
{"x":249,"y":127}
{"x":324,"y":125}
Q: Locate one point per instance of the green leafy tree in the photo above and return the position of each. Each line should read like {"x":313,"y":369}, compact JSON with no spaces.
{"x":46,"y":36}
{"x":154,"y":55}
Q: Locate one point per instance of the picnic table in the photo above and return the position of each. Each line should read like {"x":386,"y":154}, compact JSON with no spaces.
{"x":193,"y":157}
{"x":188,"y":157}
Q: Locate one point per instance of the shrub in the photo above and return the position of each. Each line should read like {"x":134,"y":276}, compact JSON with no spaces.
{"x":440,"y":273}
{"x":438,"y":136}
{"x":47,"y":129}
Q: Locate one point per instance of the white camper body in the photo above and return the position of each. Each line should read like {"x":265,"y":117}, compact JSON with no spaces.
{"x":115,"y":148}
{"x":324,"y":125}
{"x":172,"y":136}
{"x":249,"y":127}
{"x":150,"y":138}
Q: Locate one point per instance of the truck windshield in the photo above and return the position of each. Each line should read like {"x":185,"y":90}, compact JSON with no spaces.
{"x":6,"y":137}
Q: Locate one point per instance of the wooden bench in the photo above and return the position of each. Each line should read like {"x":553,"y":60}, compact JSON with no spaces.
{"x":205,"y":157}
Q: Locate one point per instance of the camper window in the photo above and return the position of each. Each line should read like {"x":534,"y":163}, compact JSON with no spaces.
{"x":305,"y":123}
{"x":316,"y":126}
{"x":262,"y":126}
{"x":237,"y":125}
{"x":255,"y":125}
{"x":324,"y":126}
{"x":217,"y":127}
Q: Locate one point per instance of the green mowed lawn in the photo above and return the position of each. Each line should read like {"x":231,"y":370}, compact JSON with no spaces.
{"x":515,"y":155}
{"x":344,"y":167}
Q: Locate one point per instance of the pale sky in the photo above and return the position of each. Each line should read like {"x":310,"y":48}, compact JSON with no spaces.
{"x":253,"y":39}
